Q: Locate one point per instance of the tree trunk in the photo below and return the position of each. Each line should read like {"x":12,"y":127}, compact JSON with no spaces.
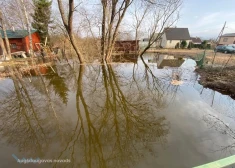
{"x":68,"y":24}
{"x":116,"y":17}
{"x":104,"y":4}
{"x":6,"y":49}
{"x":6,"y":40}
{"x":5,"y":55}
{"x":28,"y":28}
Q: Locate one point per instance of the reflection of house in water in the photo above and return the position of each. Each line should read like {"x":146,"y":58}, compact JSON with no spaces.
{"x":166,"y":61}
{"x":125,"y":58}
{"x":43,"y":67}
{"x":43,"y":70}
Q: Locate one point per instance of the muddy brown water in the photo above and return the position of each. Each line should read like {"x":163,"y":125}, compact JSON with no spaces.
{"x":116,"y":115}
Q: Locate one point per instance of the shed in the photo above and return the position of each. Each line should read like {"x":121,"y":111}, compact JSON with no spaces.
{"x":19,"y":40}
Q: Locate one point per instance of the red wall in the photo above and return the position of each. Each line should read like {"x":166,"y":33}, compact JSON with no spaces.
{"x":126,"y":46}
{"x":23,"y":44}
{"x":19,"y":44}
{"x":35,"y":38}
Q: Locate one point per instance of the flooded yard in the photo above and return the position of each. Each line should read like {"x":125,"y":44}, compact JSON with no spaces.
{"x":115,"y":115}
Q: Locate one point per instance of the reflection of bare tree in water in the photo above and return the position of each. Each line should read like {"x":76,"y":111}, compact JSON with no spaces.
{"x":116,"y":124}
{"x":114,"y":127}
{"x":27,"y":120}
{"x":159,"y":86}
{"x":221,"y":103}
{"x":219,"y":125}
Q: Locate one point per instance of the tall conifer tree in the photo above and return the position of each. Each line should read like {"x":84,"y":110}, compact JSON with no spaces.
{"x":42,"y":17}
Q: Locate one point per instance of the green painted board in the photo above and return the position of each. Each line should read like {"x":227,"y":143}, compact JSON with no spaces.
{"x":219,"y":163}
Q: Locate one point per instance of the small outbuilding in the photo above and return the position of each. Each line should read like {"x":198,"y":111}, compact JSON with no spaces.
{"x":19,"y":40}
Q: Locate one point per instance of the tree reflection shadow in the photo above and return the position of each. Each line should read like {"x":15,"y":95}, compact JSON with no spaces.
{"x":29,"y":116}
{"x":115,"y":128}
{"x":117,"y":117}
{"x":222,"y":127}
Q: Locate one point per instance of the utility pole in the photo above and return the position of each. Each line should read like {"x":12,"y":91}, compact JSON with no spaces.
{"x":220,"y":34}
{"x":218,"y":40}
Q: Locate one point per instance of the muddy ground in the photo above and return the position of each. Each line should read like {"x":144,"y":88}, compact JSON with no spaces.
{"x":219,"y":79}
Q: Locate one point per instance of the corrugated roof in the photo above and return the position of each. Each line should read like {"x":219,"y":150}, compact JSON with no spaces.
{"x":16,"y":33}
{"x":229,"y":35}
{"x":177,"y":34}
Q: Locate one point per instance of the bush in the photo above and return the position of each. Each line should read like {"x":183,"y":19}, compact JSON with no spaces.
{"x":204,"y":44}
{"x":190,"y":45}
{"x":183,"y":44}
{"x":177,"y":46}
{"x":208,"y":46}
{"x":197,"y":46}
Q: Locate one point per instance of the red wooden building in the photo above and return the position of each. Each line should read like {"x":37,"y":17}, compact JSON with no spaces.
{"x":19,"y":40}
{"x":126,"y":46}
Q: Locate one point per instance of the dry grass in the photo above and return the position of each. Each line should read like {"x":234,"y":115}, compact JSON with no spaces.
{"x":220,"y":58}
{"x":178,"y":52}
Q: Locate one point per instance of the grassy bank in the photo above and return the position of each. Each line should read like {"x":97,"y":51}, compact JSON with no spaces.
{"x":219,"y":79}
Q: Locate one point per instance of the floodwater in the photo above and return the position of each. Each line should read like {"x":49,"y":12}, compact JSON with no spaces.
{"x":116,"y":115}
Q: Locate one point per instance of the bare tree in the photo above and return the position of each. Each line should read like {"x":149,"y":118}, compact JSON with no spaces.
{"x":3,"y":48}
{"x":14,"y":14}
{"x":151,"y":17}
{"x":161,"y":15}
{"x":104,"y":5}
{"x":156,"y":14}
{"x":140,"y":12}
{"x":113,"y":13}
{"x":68,"y":24}
{"x":28,"y":26}
{"x":7,"y":49}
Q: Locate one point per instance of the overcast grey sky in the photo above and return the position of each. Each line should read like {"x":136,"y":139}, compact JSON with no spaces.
{"x":205,"y":18}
